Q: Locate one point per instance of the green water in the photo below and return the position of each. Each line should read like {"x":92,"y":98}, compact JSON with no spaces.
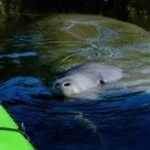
{"x":61,"y":41}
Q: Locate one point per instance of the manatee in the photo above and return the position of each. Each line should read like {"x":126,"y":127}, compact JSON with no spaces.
{"x":87,"y":77}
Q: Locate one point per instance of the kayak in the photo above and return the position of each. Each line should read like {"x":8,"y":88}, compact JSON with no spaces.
{"x":11,"y":138}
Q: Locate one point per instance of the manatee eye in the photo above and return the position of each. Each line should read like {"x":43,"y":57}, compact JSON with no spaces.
{"x":102,"y":82}
{"x":67,"y":84}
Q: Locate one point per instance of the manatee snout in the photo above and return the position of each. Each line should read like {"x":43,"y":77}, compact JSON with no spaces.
{"x":84,"y":78}
{"x":66,"y":87}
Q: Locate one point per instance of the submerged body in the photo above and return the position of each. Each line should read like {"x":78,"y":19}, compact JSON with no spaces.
{"x":86,"y":77}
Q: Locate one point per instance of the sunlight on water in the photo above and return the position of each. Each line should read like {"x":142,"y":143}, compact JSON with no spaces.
{"x":17,"y":55}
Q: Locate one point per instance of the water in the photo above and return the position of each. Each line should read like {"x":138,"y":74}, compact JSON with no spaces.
{"x":31,"y":56}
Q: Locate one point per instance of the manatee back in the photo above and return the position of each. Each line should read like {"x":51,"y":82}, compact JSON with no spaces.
{"x":97,"y":72}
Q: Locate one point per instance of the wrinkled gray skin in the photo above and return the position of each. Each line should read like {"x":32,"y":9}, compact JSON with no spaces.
{"x":86,"y":78}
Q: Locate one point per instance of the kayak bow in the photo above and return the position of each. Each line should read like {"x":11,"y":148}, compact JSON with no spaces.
{"x":11,"y":138}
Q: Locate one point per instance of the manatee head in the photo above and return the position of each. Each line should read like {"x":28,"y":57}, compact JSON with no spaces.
{"x":72,"y":86}
{"x":66,"y":87}
{"x":86,"y":79}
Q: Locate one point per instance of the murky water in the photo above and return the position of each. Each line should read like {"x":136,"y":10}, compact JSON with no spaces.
{"x":31,"y":56}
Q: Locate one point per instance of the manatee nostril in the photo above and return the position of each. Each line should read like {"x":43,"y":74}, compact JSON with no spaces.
{"x":67,"y":84}
{"x":102,"y":82}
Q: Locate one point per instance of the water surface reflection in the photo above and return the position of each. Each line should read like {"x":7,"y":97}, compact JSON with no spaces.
{"x":30,"y":59}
